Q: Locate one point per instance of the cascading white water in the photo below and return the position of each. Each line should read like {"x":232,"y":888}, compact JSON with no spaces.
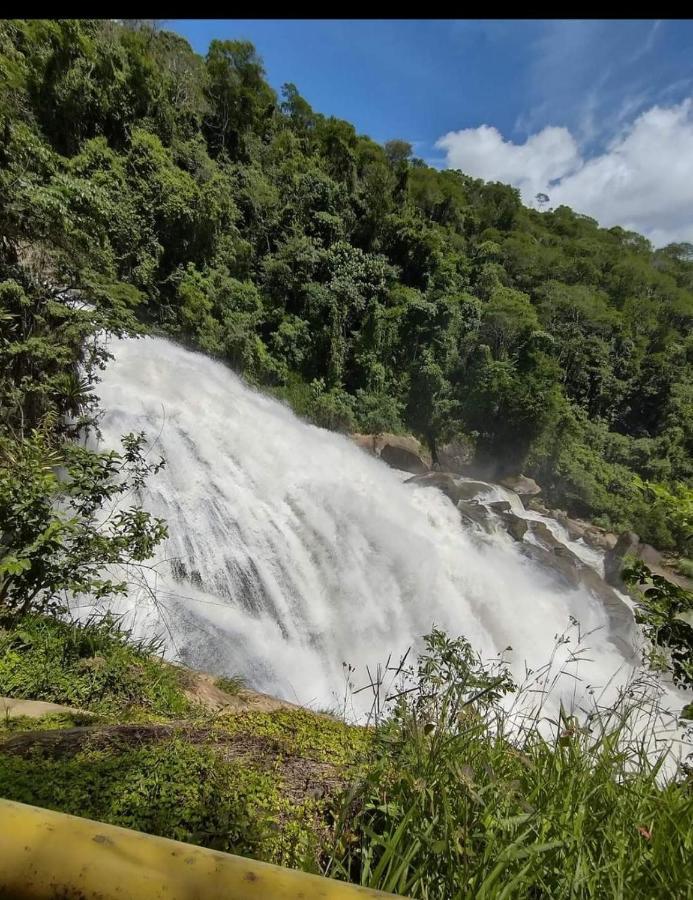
{"x":292,"y":551}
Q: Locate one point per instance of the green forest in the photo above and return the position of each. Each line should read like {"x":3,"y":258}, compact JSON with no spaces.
{"x":181,"y":193}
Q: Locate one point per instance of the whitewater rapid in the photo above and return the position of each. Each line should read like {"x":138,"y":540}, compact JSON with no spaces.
{"x":292,"y":551}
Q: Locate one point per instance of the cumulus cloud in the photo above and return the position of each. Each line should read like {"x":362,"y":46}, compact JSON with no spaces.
{"x":643,"y":180}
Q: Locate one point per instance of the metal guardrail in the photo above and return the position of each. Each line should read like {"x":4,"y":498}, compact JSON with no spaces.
{"x":46,"y":854}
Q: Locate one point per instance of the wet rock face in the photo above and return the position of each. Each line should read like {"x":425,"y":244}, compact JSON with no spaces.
{"x":515,"y":526}
{"x":401,"y":451}
{"x":522,"y":485}
{"x":451,"y":486}
{"x":537,"y":541}
{"x":456,"y":457}
{"x":571,"y":572}
{"x":401,"y":458}
{"x":627,"y":545}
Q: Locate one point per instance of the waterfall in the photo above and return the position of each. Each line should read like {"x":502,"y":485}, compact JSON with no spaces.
{"x":292,"y":551}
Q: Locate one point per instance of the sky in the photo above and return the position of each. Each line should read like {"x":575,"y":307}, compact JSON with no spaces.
{"x":597,"y":114}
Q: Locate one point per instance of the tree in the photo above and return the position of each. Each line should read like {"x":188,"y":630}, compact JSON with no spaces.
{"x":397,"y":151}
{"x":55,"y":539}
{"x":239,"y":97}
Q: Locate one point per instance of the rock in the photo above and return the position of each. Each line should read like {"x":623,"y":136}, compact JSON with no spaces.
{"x":456,"y":457}
{"x":649,"y":555}
{"x":572,"y":572}
{"x":544,"y":535}
{"x":401,"y":451}
{"x":476,"y":514}
{"x":626,"y":545}
{"x":444,"y":481}
{"x":367,"y":442}
{"x":522,"y":485}
{"x":517,"y":527}
{"x":12,"y":708}
{"x":575,"y":529}
{"x":451,"y":486}
{"x":536,"y":504}
{"x":403,"y":459}
{"x":500,"y":506}
{"x":597,"y":537}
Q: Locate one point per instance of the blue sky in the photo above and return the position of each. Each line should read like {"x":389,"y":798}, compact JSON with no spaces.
{"x":538,"y":103}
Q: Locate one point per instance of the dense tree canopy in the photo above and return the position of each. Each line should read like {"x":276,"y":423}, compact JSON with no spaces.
{"x":375,"y":292}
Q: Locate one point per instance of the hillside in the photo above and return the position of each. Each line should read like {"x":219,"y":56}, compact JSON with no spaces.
{"x":374,"y":292}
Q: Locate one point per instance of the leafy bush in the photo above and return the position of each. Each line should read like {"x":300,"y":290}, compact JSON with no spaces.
{"x":466,"y":798}
{"x":662,"y":610}
{"x":55,"y":537}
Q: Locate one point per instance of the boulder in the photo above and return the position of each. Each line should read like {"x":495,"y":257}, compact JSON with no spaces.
{"x":456,"y":457}
{"x":544,"y":535}
{"x":441,"y":480}
{"x":516,"y":527}
{"x":522,"y":485}
{"x":576,"y":529}
{"x":403,"y":459}
{"x":599,"y":538}
{"x":500,"y":506}
{"x":367,"y":442}
{"x":476,"y":514}
{"x":401,"y":451}
{"x":536,"y":504}
{"x":626,"y":545}
{"x":572,"y":572}
{"x":452,"y":487}
{"x":650,"y":556}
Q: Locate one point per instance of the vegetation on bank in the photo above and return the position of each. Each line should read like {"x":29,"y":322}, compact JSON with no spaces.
{"x":180,"y":192}
{"x":93,"y":665}
{"x":453,"y":793}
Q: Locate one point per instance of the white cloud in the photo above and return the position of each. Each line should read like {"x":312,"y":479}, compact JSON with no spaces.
{"x":642,"y":181}
{"x":482,"y":152}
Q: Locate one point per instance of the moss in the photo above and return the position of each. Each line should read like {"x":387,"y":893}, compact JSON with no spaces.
{"x":262,"y":784}
{"x":300,"y":732}
{"x":49,"y":722}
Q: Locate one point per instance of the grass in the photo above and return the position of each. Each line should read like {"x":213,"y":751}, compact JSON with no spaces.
{"x":684,"y":566}
{"x":232,"y":685}
{"x":462,"y":789}
{"x":94,"y":665}
{"x":262,"y":784}
{"x":464,"y":799}
{"x":175,"y":789}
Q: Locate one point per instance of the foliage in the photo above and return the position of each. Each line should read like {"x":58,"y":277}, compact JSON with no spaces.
{"x":466,"y":798}
{"x":456,"y":792}
{"x":92,"y":665}
{"x":273,"y":799}
{"x":662,"y":611}
{"x":176,"y":790}
{"x":179,"y":193}
{"x":230,"y":685}
{"x":58,"y":535}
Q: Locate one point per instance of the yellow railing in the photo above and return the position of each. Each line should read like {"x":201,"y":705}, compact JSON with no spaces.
{"x":45,"y":854}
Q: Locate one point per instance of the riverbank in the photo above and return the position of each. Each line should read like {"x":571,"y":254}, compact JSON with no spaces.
{"x":438,"y":801}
